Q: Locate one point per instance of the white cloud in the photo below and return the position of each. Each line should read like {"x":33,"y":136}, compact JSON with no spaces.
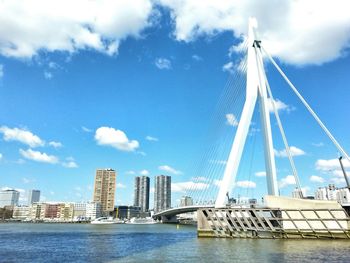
{"x":162,"y":63}
{"x":38,"y":156}
{"x":1,"y":71}
{"x":130,"y":172}
{"x":63,"y":25}
{"x":115,"y":138}
{"x":185,"y":186}
{"x":55,"y":144}
{"x":144,"y":172}
{"x":217,"y":182}
{"x":316,"y":179}
{"x":70,"y":164}
{"x":152,"y":139}
{"x":245,"y":184}
{"x":27,"y":180}
{"x":260,"y":174}
{"x":48,"y":75}
{"x":86,"y":129}
{"x":297,"y":32}
{"x":120,"y":186}
{"x":197,"y":58}
{"x":331,"y":164}
{"x":288,"y":180}
{"x":293,"y":150}
{"x":21,"y":135}
{"x":1,"y":156}
{"x":320,"y":144}
{"x":168,"y":169}
{"x":228,"y":67}
{"x":231,"y":120}
{"x":280,"y":106}
{"x":141,"y":153}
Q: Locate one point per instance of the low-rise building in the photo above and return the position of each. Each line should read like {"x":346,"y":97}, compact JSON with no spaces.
{"x":65,"y":212}
{"x":21,"y":212}
{"x":79,"y":210}
{"x":93,"y":210}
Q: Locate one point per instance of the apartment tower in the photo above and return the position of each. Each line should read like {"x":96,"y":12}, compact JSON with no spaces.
{"x":162,"y":193}
{"x":141,"y":193}
{"x":104,"y":190}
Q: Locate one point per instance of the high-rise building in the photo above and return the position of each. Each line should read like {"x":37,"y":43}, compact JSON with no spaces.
{"x":104,"y":189}
{"x":33,"y":196}
{"x":9,"y":198}
{"x":186,"y":201}
{"x":141,"y":193}
{"x":162,"y":193}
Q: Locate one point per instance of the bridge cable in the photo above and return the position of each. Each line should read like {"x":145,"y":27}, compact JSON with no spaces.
{"x":335,"y":142}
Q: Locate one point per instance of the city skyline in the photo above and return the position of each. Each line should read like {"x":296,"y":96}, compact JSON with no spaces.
{"x":139,"y":99}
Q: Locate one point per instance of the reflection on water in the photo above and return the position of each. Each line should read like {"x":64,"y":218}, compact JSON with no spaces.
{"x":152,"y":243}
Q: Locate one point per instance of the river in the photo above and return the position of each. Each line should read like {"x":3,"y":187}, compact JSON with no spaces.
{"x":25,"y":242}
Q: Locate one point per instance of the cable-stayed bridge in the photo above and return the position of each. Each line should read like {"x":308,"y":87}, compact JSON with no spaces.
{"x":246,"y":101}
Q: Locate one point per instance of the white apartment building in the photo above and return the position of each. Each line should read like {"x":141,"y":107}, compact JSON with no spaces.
{"x":93,"y":210}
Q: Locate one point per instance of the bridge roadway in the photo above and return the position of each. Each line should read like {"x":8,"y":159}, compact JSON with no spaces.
{"x":170,"y":214}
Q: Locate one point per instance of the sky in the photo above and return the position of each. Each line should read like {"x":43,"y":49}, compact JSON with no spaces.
{"x":131,"y":85}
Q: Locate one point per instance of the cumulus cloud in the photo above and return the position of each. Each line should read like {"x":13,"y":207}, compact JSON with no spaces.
{"x":331,"y":164}
{"x":245,"y":184}
{"x":0,"y":156}
{"x":316,"y":179}
{"x":197,"y":58}
{"x":38,"y":156}
{"x":231,"y":120}
{"x":152,"y":139}
{"x":169,"y":169}
{"x":115,"y":138}
{"x":120,"y":186}
{"x":48,"y":75}
{"x":55,"y":144}
{"x":295,"y":151}
{"x":280,"y":106}
{"x":62,"y":25}
{"x":144,"y":172}
{"x":260,"y":174}
{"x":21,"y":135}
{"x":70,"y":164}
{"x":288,"y":180}
{"x":130,"y":172}
{"x":297,"y":32}
{"x":162,"y":63}
{"x":185,"y":186}
{"x":228,"y":67}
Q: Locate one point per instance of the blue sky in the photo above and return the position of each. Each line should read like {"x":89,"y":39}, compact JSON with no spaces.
{"x":135,"y":93}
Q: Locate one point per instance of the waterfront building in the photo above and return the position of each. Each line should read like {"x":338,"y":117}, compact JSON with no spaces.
{"x":35,"y":211}
{"x":104,"y":189}
{"x":65,"y":211}
{"x":9,"y":197}
{"x":33,"y":196}
{"x":128,"y":212}
{"x":297,"y":193}
{"x":326,"y":193}
{"x":21,"y":212}
{"x":79,"y":210}
{"x":186,"y":201}
{"x":49,"y":211}
{"x":162,"y":193}
{"x":141,"y":193}
{"x":93,"y":210}
{"x":343,"y":195}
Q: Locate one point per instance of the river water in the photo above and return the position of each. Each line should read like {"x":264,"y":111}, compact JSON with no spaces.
{"x":152,"y":243}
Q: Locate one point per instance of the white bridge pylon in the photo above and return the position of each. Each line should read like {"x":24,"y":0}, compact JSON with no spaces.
{"x":255,"y":89}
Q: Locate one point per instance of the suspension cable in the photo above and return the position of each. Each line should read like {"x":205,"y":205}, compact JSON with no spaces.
{"x":335,"y":142}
